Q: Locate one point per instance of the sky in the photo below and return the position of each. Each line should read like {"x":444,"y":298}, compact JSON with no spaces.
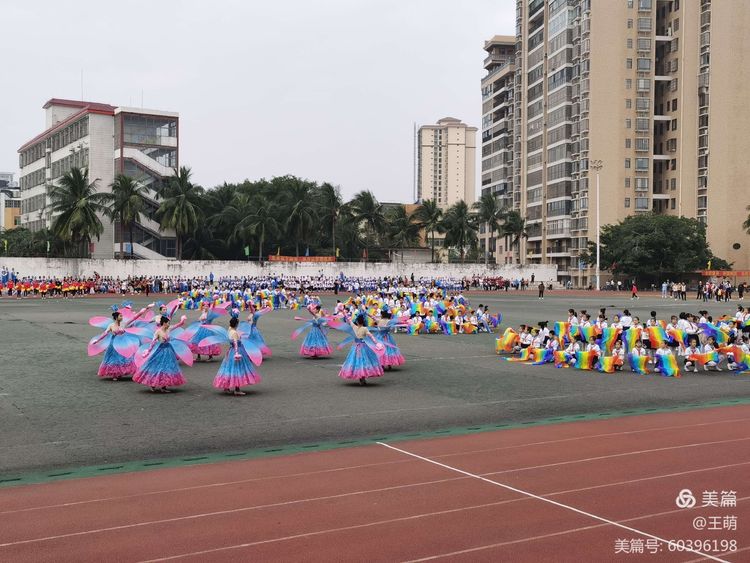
{"x":327,"y":90}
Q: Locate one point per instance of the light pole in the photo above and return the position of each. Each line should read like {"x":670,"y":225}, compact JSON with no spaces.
{"x":597,"y":165}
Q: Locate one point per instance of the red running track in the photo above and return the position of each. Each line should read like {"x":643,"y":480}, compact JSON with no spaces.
{"x":563,"y":492}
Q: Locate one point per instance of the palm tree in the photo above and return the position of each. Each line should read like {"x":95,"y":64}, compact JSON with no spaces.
{"x":262,"y":222}
{"x":125,"y":205}
{"x":460,"y":230}
{"x":430,"y":218}
{"x":181,"y":206}
{"x":402,"y":230}
{"x":746,"y":224}
{"x":514,"y":226}
{"x":77,"y":206}
{"x":330,"y":205}
{"x":368,"y":213}
{"x":301,"y":215}
{"x":203,"y":244}
{"x":488,"y":212}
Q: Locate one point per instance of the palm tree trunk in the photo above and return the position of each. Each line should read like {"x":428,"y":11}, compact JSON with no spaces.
{"x":432,"y":244}
{"x":132,"y":251}
{"x":333,"y":236}
{"x":122,"y":241}
{"x":296,"y":248}
{"x":487,"y":248}
{"x":260,"y":249}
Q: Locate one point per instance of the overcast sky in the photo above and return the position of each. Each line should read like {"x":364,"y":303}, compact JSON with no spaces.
{"x":323,"y":89}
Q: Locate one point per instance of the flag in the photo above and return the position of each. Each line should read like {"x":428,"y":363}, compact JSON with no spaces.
{"x":527,"y":355}
{"x":630,"y":337}
{"x":561,"y":360}
{"x":607,"y":364}
{"x":703,"y":359}
{"x":708,"y":265}
{"x":547,"y":356}
{"x":678,"y":336}
{"x":507,"y":341}
{"x":609,"y":336}
{"x":5,"y":244}
{"x":656,"y":336}
{"x":469,"y":328}
{"x":338,"y":252}
{"x":586,"y":332}
{"x":667,"y":365}
{"x":247,"y":251}
{"x":710,"y":329}
{"x":638,"y":363}
{"x":562,"y":332}
{"x":584,"y":360}
{"x":278,"y":251}
{"x":415,"y":328}
{"x":307,"y":251}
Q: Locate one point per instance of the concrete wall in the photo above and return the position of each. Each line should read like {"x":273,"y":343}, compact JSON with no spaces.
{"x":59,"y":267}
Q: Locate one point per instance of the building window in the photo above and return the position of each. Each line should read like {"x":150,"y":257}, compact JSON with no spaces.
{"x":644,"y":64}
{"x":641,"y":164}
{"x":674,"y":104}
{"x":674,"y":125}
{"x":673,"y":203}
{"x":676,"y":24}
{"x":642,"y":144}
{"x":628,"y":83}
{"x":644,"y":44}
{"x":673,"y":184}
{"x":644,"y":85}
{"x":641,"y":184}
{"x":641,"y":124}
{"x":628,"y":123}
{"x":627,"y":163}
{"x":630,"y":4}
{"x":627,"y":202}
{"x":627,"y":182}
{"x":641,"y":203}
{"x":644,"y":5}
{"x":627,"y":143}
{"x":628,"y":63}
{"x":629,"y":43}
{"x":628,"y":103}
{"x":642,"y":104}
{"x":630,"y":23}
{"x":644,"y":24}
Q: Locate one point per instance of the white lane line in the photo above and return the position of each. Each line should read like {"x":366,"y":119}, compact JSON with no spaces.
{"x":723,"y":554}
{"x":350,"y":467}
{"x":543,"y":499}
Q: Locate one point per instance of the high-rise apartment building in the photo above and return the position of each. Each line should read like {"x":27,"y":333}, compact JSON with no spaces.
{"x":106,"y":140}
{"x":446,"y":162}
{"x":620,"y":89}
{"x":10,"y":202}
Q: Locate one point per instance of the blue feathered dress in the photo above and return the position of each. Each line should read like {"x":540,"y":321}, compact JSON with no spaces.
{"x":236,"y":372}
{"x":361,"y":362}
{"x":161,"y":368}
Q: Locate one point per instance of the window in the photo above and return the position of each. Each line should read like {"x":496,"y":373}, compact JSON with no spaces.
{"x":630,"y":24}
{"x":627,"y":146}
{"x":673,"y":164}
{"x":676,"y":24}
{"x":641,"y":203}
{"x":628,"y":63}
{"x":628,"y":123}
{"x":673,"y":184}
{"x":644,"y":64}
{"x":644,"y":85}
{"x":628,"y":83}
{"x":627,"y":182}
{"x":673,"y":85}
{"x":642,"y":144}
{"x":641,"y":164}
{"x":627,"y":202}
{"x":674,"y":104}
{"x":644,"y":24}
{"x":644,"y":44}
{"x":644,"y":5}
{"x":628,"y":103}
{"x":642,"y":104}
{"x":673,"y":203}
{"x":641,"y":124}
{"x":641,"y":184}
{"x":629,"y":43}
{"x":630,"y":3}
{"x":627,"y":162}
{"x":674,"y":125}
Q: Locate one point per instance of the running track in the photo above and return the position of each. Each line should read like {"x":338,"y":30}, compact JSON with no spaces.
{"x":561,"y":492}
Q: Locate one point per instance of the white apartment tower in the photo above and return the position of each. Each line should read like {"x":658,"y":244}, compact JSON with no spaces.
{"x":446,"y":162}
{"x":107,"y":140}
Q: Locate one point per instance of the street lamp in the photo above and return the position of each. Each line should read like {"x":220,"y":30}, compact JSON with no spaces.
{"x":597,"y":165}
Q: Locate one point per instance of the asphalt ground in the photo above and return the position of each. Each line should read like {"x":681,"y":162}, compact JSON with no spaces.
{"x":56,"y":413}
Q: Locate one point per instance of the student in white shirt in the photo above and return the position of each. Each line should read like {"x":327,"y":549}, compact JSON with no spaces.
{"x":688,"y":351}
{"x":616,"y":322}
{"x":662,"y":351}
{"x":626,"y":320}
{"x":552,"y":342}
{"x":619,"y":354}
{"x":571,"y":351}
{"x":638,"y":350}
{"x":572,"y":317}
{"x":708,"y":347}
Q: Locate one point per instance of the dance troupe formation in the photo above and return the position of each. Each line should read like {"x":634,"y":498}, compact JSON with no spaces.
{"x":604,"y":346}
{"x":149,"y":347}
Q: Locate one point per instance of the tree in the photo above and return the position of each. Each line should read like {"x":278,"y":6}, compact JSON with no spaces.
{"x":330,"y":205}
{"x":403,"y":231}
{"x":181,"y":206}
{"x":367,"y":212}
{"x":125,"y":204}
{"x":460,"y":229}
{"x":488,"y":212}
{"x":300,"y":211}
{"x":652,"y":247}
{"x":430,"y":217}
{"x":746,"y":224}
{"x":514,"y":226}
{"x":260,"y":222}
{"x":76,"y":207}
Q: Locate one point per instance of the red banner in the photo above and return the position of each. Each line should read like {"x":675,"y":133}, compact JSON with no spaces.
{"x":276,"y":258}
